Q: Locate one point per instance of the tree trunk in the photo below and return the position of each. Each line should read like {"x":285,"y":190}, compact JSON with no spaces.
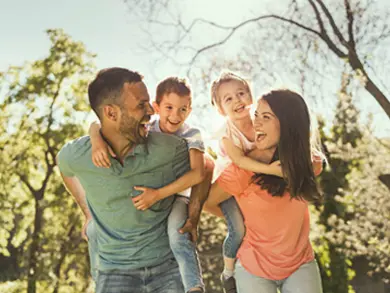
{"x":369,"y":85}
{"x":32,"y":264}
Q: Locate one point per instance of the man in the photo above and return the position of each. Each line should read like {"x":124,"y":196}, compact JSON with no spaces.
{"x":134,"y":252}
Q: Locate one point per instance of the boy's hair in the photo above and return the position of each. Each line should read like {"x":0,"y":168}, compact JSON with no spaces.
{"x":107,"y":87}
{"x":179,"y":86}
{"x":224,"y":77}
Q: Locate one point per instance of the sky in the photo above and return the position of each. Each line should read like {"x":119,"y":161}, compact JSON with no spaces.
{"x":106,"y":29}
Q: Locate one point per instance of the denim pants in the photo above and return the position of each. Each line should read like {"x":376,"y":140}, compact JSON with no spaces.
{"x":163,"y":278}
{"x":235,"y":227}
{"x":182,"y":247}
{"x":306,"y":279}
{"x":93,"y":249}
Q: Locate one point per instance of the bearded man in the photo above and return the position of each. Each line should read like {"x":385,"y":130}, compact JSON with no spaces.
{"x":133,"y":248}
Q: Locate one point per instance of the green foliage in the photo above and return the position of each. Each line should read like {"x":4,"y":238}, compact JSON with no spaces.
{"x":356,"y":209}
{"x":39,"y":221}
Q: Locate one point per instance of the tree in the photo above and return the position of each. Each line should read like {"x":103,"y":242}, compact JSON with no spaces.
{"x":333,"y":180}
{"x":356,"y":209}
{"x":44,"y":100}
{"x":344,"y":31}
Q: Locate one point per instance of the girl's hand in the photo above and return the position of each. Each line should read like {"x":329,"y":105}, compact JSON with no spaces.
{"x":100,"y":153}
{"x":145,"y":200}
{"x":276,"y":169}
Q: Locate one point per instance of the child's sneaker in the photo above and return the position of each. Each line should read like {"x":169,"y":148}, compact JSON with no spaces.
{"x":229,"y":284}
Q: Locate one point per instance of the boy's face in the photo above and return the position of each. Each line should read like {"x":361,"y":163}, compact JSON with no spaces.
{"x":173,"y":111}
{"x":234,"y":100}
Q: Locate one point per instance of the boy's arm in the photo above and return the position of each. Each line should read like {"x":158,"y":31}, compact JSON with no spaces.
{"x":191,"y":178}
{"x":100,"y":149}
{"x":239,"y":158}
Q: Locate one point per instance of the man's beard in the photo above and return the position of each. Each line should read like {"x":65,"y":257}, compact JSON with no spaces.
{"x":130,"y":128}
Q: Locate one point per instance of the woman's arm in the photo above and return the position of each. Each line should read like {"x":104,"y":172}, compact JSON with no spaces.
{"x":242,"y":161}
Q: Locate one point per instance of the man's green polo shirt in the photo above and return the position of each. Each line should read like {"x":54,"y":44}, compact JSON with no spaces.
{"x":128,"y":238}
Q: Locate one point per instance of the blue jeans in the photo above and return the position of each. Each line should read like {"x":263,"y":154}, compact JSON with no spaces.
{"x":182,"y":247}
{"x":163,"y":278}
{"x":306,"y":279}
{"x":235,"y":226}
{"x":93,"y":249}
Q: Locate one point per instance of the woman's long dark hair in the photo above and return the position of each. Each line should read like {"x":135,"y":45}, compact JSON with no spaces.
{"x":295,"y":150}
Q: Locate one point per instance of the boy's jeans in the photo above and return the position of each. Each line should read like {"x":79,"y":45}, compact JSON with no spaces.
{"x":235,"y":226}
{"x":182,"y":247}
{"x":163,"y":278}
{"x":306,"y":279}
{"x":93,"y":249}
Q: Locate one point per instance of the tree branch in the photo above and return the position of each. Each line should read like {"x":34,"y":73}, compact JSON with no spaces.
{"x":324,"y":35}
{"x":24,"y":179}
{"x":332,"y":23}
{"x":240,"y":25}
{"x":351,"y":38}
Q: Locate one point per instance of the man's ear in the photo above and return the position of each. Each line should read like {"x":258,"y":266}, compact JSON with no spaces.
{"x":110,"y":112}
{"x":156,"y":107}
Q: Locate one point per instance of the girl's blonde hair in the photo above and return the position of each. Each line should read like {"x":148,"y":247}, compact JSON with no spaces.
{"x":225,"y":76}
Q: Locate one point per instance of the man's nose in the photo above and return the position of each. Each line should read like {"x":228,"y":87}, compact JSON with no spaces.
{"x":149,"y":110}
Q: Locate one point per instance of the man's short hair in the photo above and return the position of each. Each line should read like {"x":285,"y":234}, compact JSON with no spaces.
{"x":107,"y":87}
{"x":179,"y":86}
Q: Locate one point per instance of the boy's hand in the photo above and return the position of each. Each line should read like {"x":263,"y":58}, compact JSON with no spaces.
{"x":145,"y":200}
{"x":191,"y":227}
{"x":100,"y":154}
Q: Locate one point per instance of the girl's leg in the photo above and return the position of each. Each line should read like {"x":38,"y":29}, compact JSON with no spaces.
{"x":248,"y":283}
{"x":236,"y":232}
{"x":183,"y":248}
{"x":306,"y":279}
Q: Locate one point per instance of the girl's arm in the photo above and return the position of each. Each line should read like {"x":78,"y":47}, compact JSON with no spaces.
{"x":193,"y":177}
{"x":100,"y":149}
{"x":239,"y":158}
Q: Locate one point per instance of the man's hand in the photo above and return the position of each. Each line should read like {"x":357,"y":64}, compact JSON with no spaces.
{"x":145,"y":200}
{"x":84,"y":229}
{"x":191,"y":226}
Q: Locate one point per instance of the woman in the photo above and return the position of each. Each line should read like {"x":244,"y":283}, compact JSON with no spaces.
{"x":276,"y":251}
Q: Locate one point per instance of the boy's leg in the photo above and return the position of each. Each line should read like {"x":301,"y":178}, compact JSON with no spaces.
{"x":182,"y":247}
{"x":236,"y":232}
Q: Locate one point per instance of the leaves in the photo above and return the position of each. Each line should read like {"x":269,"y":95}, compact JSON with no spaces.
{"x":36,"y":208}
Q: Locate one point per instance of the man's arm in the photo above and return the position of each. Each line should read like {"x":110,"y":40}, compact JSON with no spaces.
{"x":74,"y":187}
{"x":72,"y":184}
{"x":199,"y":194}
